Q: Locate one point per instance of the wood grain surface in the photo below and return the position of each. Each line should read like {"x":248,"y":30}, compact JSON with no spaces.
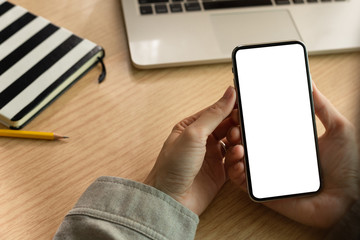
{"x":118,"y":127}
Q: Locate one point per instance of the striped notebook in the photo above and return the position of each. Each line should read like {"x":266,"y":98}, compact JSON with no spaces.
{"x":38,"y":61}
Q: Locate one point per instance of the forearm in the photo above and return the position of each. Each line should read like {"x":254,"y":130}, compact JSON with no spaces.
{"x":115,"y":208}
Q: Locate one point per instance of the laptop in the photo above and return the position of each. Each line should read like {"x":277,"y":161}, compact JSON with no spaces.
{"x":164,"y":33}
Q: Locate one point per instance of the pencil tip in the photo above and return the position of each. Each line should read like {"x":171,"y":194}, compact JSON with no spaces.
{"x":59,"y":137}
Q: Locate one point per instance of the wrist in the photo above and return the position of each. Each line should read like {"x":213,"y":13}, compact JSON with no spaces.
{"x":149,"y":180}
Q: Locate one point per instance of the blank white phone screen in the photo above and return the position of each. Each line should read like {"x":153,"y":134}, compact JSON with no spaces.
{"x":277,"y":120}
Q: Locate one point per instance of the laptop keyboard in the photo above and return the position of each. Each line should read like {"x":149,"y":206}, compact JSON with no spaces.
{"x":177,"y":6}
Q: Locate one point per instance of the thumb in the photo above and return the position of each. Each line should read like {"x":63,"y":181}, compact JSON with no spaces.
{"x":211,"y":117}
{"x":326,"y":112}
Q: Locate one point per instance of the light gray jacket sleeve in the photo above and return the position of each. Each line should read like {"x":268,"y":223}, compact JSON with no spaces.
{"x":116,"y":208}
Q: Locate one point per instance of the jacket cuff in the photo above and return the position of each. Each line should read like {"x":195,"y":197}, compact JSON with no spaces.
{"x":137,"y":206}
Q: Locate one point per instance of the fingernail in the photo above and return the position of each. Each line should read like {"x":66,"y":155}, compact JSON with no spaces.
{"x":229,"y":92}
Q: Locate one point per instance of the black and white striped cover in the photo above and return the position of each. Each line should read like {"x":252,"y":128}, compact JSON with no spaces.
{"x":38,"y":61}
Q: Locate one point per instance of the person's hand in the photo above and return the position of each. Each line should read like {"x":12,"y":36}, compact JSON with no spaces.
{"x":190,"y":165}
{"x":339,"y":161}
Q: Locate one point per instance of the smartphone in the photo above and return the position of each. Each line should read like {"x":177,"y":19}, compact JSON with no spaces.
{"x":277,"y":119}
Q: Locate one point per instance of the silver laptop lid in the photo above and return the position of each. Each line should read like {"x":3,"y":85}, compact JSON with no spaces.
{"x":165,"y":33}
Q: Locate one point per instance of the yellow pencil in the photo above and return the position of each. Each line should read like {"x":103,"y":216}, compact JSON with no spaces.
{"x":30,"y":134}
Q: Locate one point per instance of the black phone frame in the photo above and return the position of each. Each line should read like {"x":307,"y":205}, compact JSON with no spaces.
{"x":243,"y":134}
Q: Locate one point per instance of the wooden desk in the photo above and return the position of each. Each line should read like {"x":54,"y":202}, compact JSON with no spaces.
{"x":117,"y":128}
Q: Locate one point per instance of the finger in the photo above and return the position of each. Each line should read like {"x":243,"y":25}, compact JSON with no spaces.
{"x":223,"y":128}
{"x":210,"y":119}
{"x":326,"y":112}
{"x":234,"y":135}
{"x":235,"y":116}
{"x":236,"y":174}
{"x":234,"y":166}
{"x":234,"y":155}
